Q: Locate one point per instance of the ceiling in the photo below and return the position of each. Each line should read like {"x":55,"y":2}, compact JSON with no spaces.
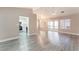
{"x":55,"y":11}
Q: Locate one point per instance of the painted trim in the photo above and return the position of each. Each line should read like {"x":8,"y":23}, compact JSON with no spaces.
{"x":70,"y":33}
{"x":17,"y":37}
{"x":67,"y":33}
{"x":59,"y":32}
{"x":32,"y":34}
{"x":8,"y":39}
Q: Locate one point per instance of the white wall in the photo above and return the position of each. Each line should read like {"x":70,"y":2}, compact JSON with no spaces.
{"x":9,"y":18}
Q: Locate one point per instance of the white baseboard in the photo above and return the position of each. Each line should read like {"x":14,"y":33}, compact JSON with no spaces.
{"x":32,"y":34}
{"x":7,"y":39}
{"x":17,"y":37}
{"x":70,"y":33}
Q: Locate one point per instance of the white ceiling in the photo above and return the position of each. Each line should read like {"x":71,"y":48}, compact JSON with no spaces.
{"x":55,"y":11}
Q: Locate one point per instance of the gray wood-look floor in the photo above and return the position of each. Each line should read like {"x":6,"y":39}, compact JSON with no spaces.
{"x":44,"y":41}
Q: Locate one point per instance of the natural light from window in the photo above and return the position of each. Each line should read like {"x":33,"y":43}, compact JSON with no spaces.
{"x":59,"y":24}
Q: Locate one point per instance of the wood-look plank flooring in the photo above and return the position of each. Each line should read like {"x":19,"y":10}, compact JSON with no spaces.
{"x":44,"y":41}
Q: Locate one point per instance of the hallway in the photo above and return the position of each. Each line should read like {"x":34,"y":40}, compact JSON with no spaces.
{"x":44,"y":41}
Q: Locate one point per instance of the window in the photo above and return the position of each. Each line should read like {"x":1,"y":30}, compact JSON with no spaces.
{"x":62,"y":24}
{"x":65,"y":24}
{"x":53,"y":24}
{"x":50,"y":25}
{"x":56,"y":24}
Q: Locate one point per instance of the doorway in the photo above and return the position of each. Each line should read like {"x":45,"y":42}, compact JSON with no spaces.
{"x":24,"y":24}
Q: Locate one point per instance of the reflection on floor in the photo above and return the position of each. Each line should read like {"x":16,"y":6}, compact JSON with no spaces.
{"x":44,"y":41}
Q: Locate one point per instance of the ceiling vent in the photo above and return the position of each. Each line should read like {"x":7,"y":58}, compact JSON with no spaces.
{"x":62,"y":11}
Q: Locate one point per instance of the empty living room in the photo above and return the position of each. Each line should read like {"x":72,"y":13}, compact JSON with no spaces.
{"x":39,"y":29}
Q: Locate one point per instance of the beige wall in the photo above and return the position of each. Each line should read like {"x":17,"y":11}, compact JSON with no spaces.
{"x":74,"y":23}
{"x":9,"y":18}
{"x":33,"y":24}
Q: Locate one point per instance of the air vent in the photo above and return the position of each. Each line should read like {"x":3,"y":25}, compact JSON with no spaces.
{"x":62,"y":11}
